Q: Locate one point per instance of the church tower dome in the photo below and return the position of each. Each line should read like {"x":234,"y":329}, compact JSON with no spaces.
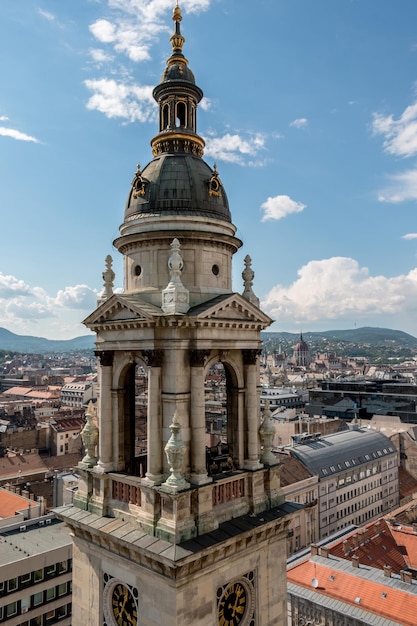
{"x":178,"y":195}
{"x":168,"y":526}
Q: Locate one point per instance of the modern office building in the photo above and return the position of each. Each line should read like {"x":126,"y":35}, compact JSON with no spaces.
{"x":35,"y":573}
{"x":358,"y":475}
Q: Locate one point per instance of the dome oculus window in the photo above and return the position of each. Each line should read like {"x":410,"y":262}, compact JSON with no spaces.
{"x":216,"y":270}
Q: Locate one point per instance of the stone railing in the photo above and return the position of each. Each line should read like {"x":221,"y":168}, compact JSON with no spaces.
{"x":127,"y":490}
{"x":228,"y":490}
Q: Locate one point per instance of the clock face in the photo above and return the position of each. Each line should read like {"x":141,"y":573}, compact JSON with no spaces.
{"x":123,"y":605}
{"x":232,"y":604}
{"x":120,"y":603}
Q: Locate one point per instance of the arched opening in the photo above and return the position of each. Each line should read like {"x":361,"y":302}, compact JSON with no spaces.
{"x":222,"y":448}
{"x":181,"y":114}
{"x":165,"y":116}
{"x":133,"y":429}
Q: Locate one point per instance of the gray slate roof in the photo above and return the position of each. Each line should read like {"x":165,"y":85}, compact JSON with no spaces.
{"x":342,"y":451}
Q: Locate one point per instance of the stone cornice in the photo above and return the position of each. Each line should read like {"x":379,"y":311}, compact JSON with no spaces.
{"x":172,"y":561}
{"x":135,"y":241}
{"x":177,"y":322}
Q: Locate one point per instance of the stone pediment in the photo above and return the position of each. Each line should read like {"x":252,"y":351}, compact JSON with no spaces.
{"x":231,"y":307}
{"x":122,"y":308}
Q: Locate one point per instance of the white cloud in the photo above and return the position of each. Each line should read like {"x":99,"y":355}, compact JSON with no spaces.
{"x":100,"y":56}
{"x":28,"y":310}
{"x":339,"y":289}
{"x":300,"y":122}
{"x":16,"y":134}
{"x":137,"y":23}
{"x":104,"y":31}
{"x":234,"y":148}
{"x":280,"y":206}
{"x":401,"y":134}
{"x":3,"y":118}
{"x":12,"y":287}
{"x":45,"y":14}
{"x":120,"y":100}
{"x":403,"y":187}
{"x":25,"y":309}
{"x":206,"y":104}
{"x":409,"y":236}
{"x":77,"y":297}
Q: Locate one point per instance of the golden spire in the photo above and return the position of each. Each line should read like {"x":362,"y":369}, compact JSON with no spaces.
{"x":177,"y":40}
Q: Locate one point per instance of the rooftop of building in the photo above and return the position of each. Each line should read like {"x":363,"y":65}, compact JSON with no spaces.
{"x":367,"y":572}
{"x":341,"y":451}
{"x":32,"y":538}
{"x":12,"y":503}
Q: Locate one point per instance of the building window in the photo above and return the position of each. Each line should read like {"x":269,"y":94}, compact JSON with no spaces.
{"x":61,"y":611}
{"x":25,"y":579}
{"x":50,"y":593}
{"x":12,"y":584}
{"x":38,"y":575}
{"x":37,"y":598}
{"x":11,"y":609}
{"x":62,"y":589}
{"x":50,"y":570}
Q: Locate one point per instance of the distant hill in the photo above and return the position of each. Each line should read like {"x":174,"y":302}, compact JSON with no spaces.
{"x":35,"y":345}
{"x":366,"y":335}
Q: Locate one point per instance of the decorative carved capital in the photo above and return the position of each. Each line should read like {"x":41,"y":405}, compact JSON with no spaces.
{"x":105,"y":357}
{"x":198,"y":357}
{"x":153,"y":358}
{"x":250,"y":356}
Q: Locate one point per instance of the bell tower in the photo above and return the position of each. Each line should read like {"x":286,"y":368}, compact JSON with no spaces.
{"x":160,"y":537}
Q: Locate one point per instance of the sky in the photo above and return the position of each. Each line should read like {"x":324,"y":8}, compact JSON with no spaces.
{"x":309,"y":112}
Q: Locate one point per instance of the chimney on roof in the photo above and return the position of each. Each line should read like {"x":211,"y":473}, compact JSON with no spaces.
{"x":324,"y":551}
{"x":387,"y":571}
{"x":377,"y":526}
{"x":314,"y":549}
{"x":355,"y":561}
{"x":406,"y":576}
{"x":346,"y":547}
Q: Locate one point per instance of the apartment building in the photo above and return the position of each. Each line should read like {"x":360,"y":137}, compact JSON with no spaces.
{"x":301,"y":488}
{"x":78,"y":394}
{"x":358,"y":475}
{"x":361,"y":576}
{"x":35,"y":573}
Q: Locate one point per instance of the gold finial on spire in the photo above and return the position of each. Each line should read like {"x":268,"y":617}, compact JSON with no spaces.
{"x":176,"y":16}
{"x":177,"y":40}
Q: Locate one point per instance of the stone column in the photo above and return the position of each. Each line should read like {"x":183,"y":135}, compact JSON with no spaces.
{"x":154,"y":474}
{"x":252,"y":408}
{"x":105,"y":447}
{"x":198,"y":418}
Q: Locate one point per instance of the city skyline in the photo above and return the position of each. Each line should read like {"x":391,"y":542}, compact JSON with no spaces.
{"x":310,"y":114}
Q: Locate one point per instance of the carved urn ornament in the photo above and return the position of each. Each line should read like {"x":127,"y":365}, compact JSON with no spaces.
{"x":175,"y":452}
{"x":89,"y":435}
{"x":266,"y":435}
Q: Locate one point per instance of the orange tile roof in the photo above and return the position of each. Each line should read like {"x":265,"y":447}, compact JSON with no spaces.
{"x":17,"y":391}
{"x":396,"y":604}
{"x":10,"y":503}
{"x":374,"y":545}
{"x":20,"y":465}
{"x":406,"y":540}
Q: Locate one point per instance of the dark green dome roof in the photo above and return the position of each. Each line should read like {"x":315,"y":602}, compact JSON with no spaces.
{"x":177,"y":185}
{"x":178,"y":72}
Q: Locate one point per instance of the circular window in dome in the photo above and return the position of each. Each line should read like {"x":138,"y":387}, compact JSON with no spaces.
{"x":215,"y":269}
{"x":138,"y":270}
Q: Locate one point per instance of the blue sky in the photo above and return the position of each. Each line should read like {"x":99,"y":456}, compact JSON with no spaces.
{"x":310,"y":113}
